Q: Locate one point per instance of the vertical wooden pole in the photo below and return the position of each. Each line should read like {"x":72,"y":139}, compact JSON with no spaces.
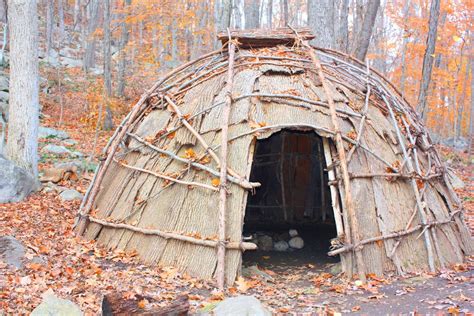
{"x":342,"y":157}
{"x":223,"y":170}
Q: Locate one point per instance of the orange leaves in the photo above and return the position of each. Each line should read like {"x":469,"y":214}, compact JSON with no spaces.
{"x":215,"y":182}
{"x":189,"y":154}
{"x":255,"y":125}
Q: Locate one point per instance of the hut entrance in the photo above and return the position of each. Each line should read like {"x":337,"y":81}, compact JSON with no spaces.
{"x":290,"y":216}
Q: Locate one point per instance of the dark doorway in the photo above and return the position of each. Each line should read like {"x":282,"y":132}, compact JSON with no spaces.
{"x":294,"y":199}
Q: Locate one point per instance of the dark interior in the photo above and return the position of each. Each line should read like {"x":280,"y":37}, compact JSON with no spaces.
{"x":294,"y":194}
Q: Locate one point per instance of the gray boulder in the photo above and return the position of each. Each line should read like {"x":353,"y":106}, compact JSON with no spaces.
{"x":4,"y":96}
{"x":70,"y":195}
{"x":71,"y":62}
{"x":281,"y":246}
{"x":46,"y":132}
{"x":54,"y":306}
{"x":4,"y":83}
{"x":241,"y":306}
{"x":11,"y":251}
{"x":69,"y":142}
{"x":460,"y":143}
{"x":56,"y":149}
{"x":265,"y":243}
{"x":296,"y":242}
{"x":15,"y":182}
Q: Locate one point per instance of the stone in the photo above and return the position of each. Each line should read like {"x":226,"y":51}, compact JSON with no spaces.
{"x":456,"y":182}
{"x":296,"y":242}
{"x":70,"y":195}
{"x":460,"y":143}
{"x":265,"y":243}
{"x":11,"y":251}
{"x":15,"y":182}
{"x":56,"y":149}
{"x":4,"y":96}
{"x":281,"y":246}
{"x":70,"y":142}
{"x":4,"y":83}
{"x":4,"y":110}
{"x":71,"y":62}
{"x":46,"y":132}
{"x":293,"y":233}
{"x":241,"y":305}
{"x":55,"y":306}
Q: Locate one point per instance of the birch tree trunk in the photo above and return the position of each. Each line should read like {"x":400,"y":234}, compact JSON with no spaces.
{"x":428,"y":59}
{"x":365,"y":33}
{"x":122,"y":63}
{"x":321,"y":22}
{"x":251,"y":10}
{"x":22,"y":142}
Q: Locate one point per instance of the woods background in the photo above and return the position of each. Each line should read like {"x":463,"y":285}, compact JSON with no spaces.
{"x":104,"y":53}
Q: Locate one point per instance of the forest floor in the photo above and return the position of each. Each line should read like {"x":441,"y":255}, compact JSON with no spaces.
{"x":83,"y":272}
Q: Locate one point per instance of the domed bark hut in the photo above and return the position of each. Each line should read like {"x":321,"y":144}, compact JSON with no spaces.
{"x":174,"y":180}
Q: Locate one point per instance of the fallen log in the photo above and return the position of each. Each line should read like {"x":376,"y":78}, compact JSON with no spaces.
{"x":115,"y":304}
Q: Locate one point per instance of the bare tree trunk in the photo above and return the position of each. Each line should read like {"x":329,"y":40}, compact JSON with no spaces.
{"x":406,"y":15}
{"x":365,"y":33}
{"x":49,"y":27}
{"x":343,"y":30}
{"x":226,"y":14}
{"x":61,"y":20}
{"x":471,"y":115}
{"x":89,"y":54}
{"x":122,"y":63}
{"x":237,"y":14}
{"x":284,"y":13}
{"x":462,"y":99}
{"x":22,"y":143}
{"x":428,"y":59}
{"x":357,"y":20}
{"x":251,"y":10}
{"x":270,"y":13}
{"x":321,"y":22}
{"x":77,"y":14}
{"x":108,"y":123}
{"x":378,"y":43}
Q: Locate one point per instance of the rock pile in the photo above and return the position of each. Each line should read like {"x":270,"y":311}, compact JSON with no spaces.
{"x":268,"y":241}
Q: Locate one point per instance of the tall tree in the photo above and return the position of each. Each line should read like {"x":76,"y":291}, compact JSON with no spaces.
{"x":122,"y":64}
{"x":361,"y":45}
{"x":61,"y":20}
{"x":22,"y":142}
{"x":428,"y":59}
{"x":252,"y":13}
{"x":108,"y":123}
{"x":49,"y":26}
{"x":321,"y":21}
{"x":471,"y":115}
{"x":89,"y":54}
{"x":226,"y":14}
{"x":285,"y":19}
{"x":406,"y":15}
{"x":342,"y":41}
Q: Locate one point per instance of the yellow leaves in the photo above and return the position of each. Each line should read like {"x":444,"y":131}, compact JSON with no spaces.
{"x":242,"y":285}
{"x":215,"y":182}
{"x":457,"y":39}
{"x":190,"y":154}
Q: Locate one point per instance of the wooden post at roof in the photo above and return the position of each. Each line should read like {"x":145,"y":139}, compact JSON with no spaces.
{"x":223,"y":169}
{"x":343,"y":163}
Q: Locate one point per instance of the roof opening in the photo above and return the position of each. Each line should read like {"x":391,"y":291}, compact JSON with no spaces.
{"x":290,"y":216}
